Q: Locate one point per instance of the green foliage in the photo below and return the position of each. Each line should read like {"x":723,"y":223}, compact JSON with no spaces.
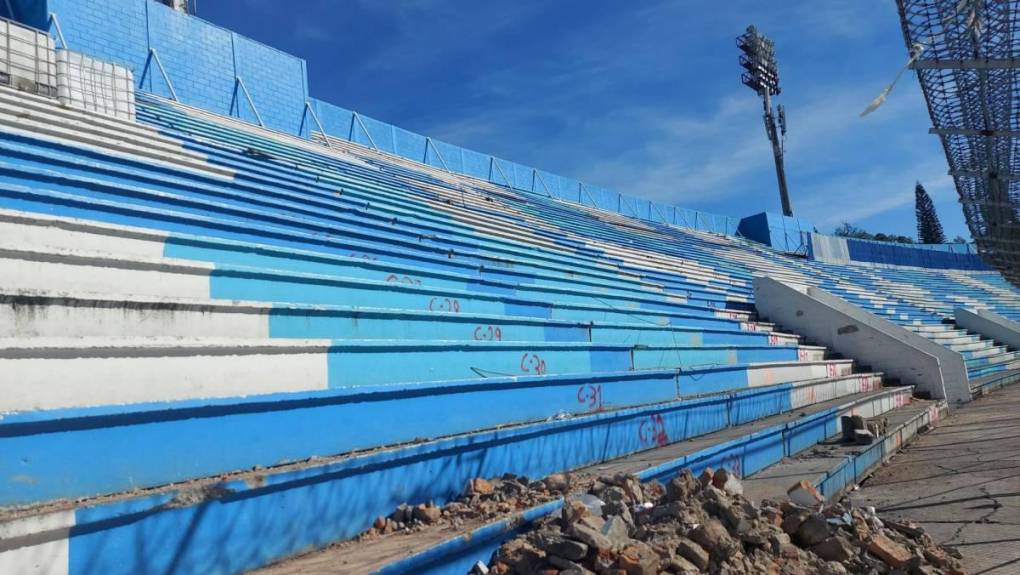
{"x":848,"y":230}
{"x":929,"y":228}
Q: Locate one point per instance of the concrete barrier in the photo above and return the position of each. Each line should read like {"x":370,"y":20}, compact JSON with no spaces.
{"x":847,"y":329}
{"x":990,"y":325}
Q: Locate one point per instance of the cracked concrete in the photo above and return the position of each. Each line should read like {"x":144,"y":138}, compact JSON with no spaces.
{"x":962,"y":483}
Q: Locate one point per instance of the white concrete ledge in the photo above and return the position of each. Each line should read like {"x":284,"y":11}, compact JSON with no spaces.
{"x":990,"y":325}
{"x":855,"y":333}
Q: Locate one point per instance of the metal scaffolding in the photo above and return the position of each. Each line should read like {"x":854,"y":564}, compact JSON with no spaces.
{"x":966,"y":54}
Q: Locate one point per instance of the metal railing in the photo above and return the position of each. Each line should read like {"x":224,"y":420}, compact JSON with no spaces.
{"x":27,"y":59}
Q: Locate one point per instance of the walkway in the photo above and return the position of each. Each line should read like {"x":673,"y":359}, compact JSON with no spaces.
{"x":962,"y":483}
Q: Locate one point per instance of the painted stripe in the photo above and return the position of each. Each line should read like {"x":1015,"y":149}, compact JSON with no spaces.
{"x":54,"y":380}
{"x":36,"y":545}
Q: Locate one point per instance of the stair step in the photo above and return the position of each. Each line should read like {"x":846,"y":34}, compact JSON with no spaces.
{"x":308,"y":499}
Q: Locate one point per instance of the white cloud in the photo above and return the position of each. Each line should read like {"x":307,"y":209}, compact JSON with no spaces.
{"x":861,"y":195}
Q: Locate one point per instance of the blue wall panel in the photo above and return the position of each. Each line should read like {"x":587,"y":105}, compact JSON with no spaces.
{"x":276,"y":81}
{"x":200,"y":58}
{"x":411,"y":146}
{"x":476,"y":164}
{"x":450,"y":154}
{"x":381,"y":133}
{"x":525,"y":178}
{"x":186,"y":45}
{"x":114,"y":30}
{"x":335,"y":119}
{"x":502,"y":173}
{"x":920,"y":255}
{"x":782,"y":233}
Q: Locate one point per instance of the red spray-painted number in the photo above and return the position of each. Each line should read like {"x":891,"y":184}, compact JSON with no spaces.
{"x":590,"y":396}
{"x":444,"y":304}
{"x":406,"y":280}
{"x":362,"y":256}
{"x":831,"y":370}
{"x":652,"y":431}
{"x":532,"y":363}
{"x":488,"y":333}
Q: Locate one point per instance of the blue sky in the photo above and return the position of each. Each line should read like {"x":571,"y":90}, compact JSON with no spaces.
{"x":643,"y":97}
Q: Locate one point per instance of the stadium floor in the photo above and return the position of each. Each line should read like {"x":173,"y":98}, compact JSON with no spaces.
{"x":964,"y":483}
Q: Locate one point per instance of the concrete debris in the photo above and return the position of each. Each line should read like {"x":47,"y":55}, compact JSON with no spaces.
{"x":482,"y":500}
{"x":862,"y":431}
{"x":705,"y":525}
{"x":863,"y":437}
{"x":804,"y":494}
{"x":889,"y":551}
{"x":557,"y":482}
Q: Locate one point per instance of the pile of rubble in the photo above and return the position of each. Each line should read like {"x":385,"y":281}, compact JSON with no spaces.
{"x":482,"y":499}
{"x":705,"y":525}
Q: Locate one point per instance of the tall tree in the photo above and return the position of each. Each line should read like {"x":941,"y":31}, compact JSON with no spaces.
{"x":929,"y":228}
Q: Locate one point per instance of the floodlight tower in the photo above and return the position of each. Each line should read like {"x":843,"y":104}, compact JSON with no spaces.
{"x":761,"y":74}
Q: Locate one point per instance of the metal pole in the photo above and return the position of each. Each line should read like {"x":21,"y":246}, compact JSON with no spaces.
{"x":429,"y":142}
{"x":541,"y":179}
{"x":311,"y":111}
{"x":501,"y":172}
{"x":60,"y":33}
{"x":364,"y":128}
{"x":777,"y":152}
{"x":251,"y":103}
{"x":162,"y":70}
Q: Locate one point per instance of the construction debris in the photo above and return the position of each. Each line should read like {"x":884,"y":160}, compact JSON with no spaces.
{"x":482,"y":499}
{"x":705,"y":525}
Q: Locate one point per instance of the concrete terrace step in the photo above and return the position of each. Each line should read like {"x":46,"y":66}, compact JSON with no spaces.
{"x":742,"y":449}
{"x":209,"y":125}
{"x":359,"y":215}
{"x":43,"y":313}
{"x":215,"y":134}
{"x":361,"y":263}
{"x":980,"y":344}
{"x":283,"y":428}
{"x":28,"y":231}
{"x":77,"y":271}
{"x":387,"y":226}
{"x":834,"y":465}
{"x":999,"y":357}
{"x":214,"y":524}
{"x":378,"y":234}
{"x":986,"y":352}
{"x":37,"y":117}
{"x":985,"y":383}
{"x":978,"y":370}
{"x":934,"y":328}
{"x":51,"y":373}
{"x":951,"y":337}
